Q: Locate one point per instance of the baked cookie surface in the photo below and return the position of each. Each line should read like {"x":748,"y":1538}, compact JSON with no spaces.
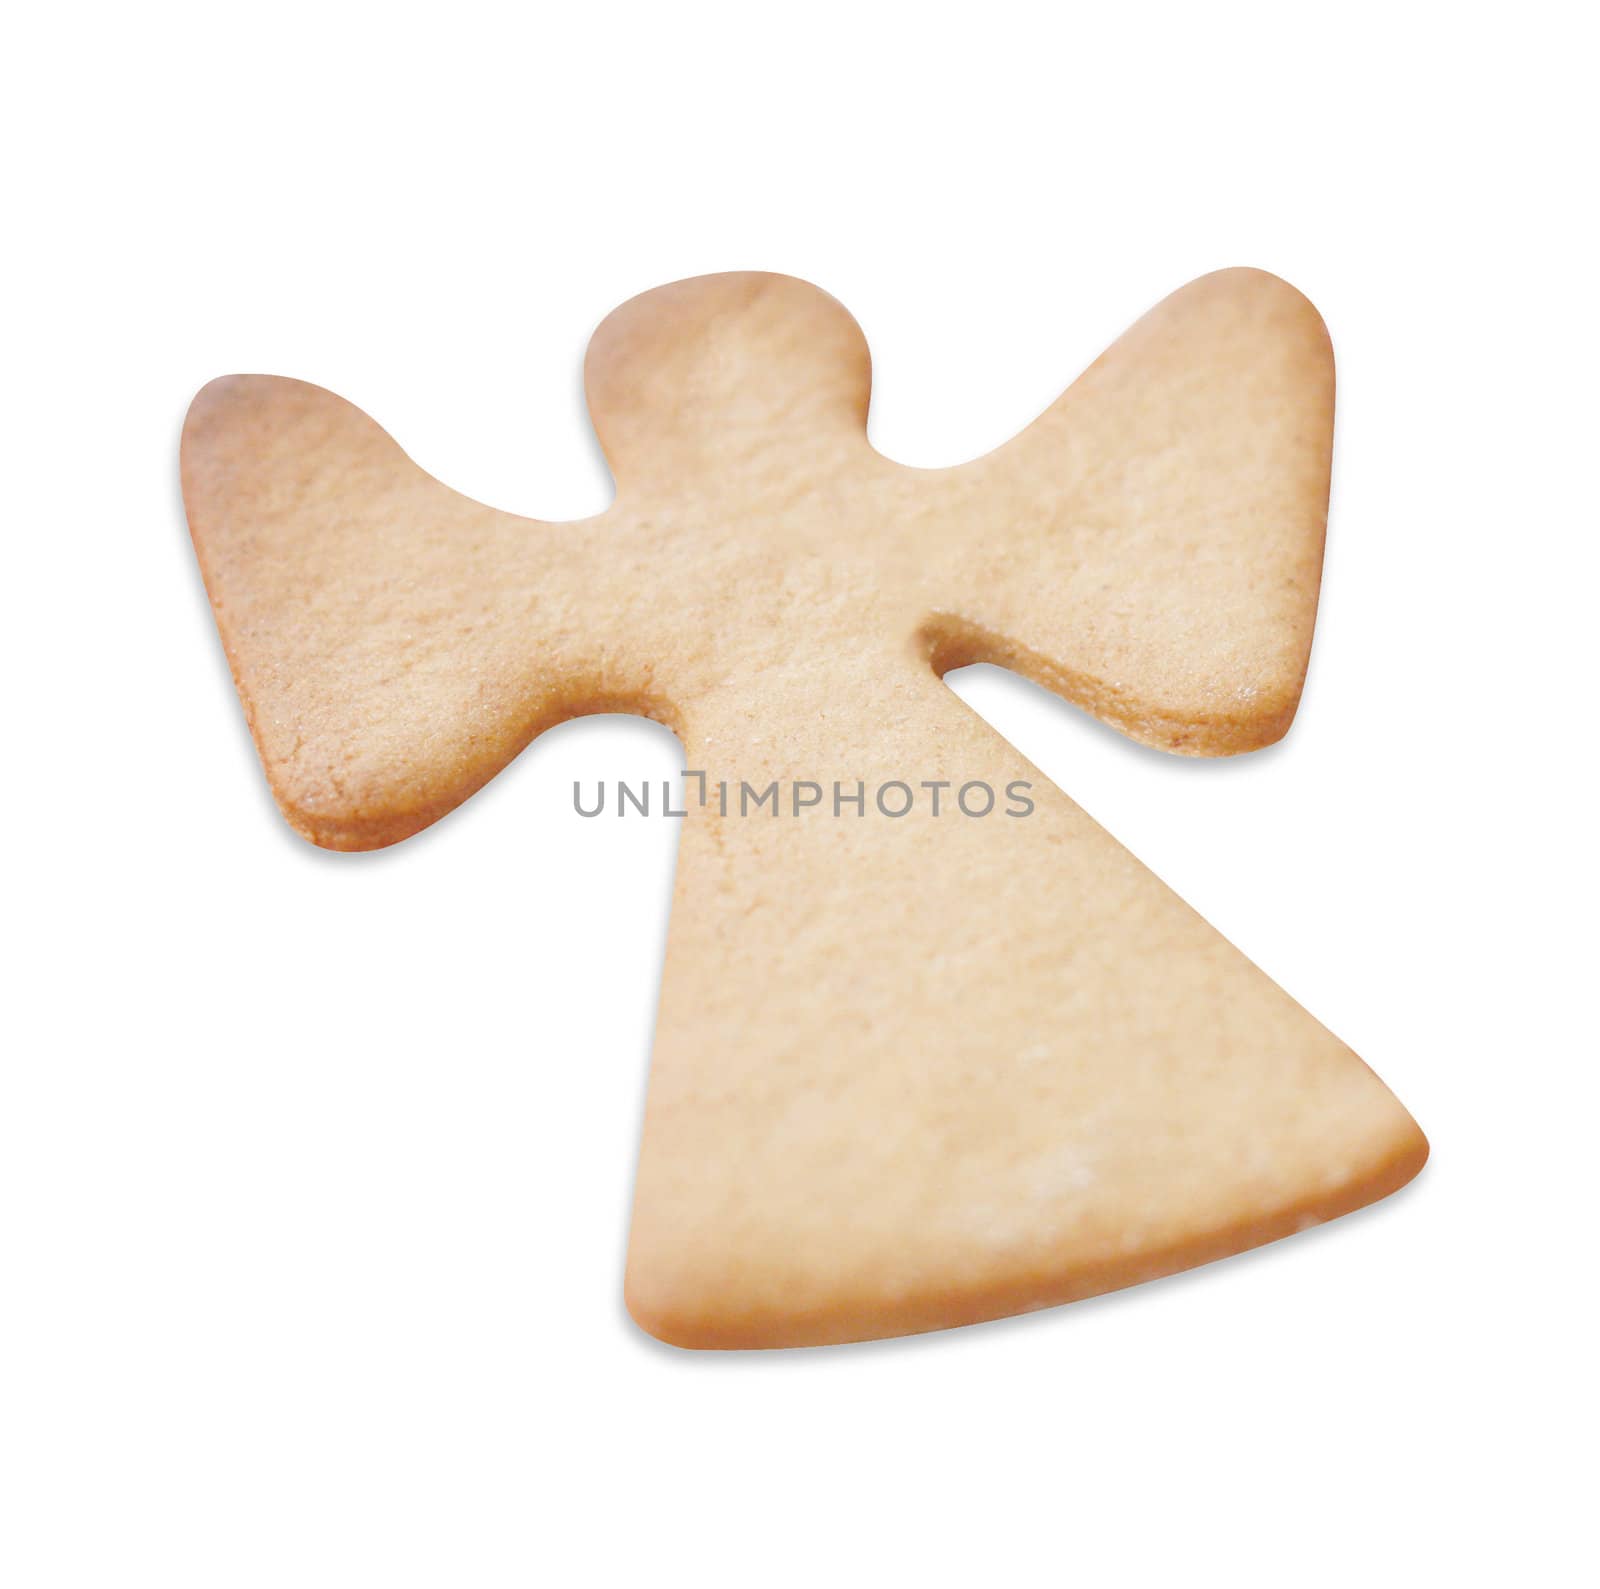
{"x":910,"y":1070}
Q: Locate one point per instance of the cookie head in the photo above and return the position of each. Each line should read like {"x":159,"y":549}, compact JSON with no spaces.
{"x":700,"y":370}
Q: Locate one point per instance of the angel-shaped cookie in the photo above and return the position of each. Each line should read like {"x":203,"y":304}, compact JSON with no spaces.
{"x":910,"y":1070}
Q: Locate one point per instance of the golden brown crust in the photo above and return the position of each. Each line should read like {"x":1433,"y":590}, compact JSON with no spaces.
{"x":909,"y":1072}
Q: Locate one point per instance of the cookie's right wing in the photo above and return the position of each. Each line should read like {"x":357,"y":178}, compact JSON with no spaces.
{"x":1151,"y":546}
{"x":395,"y":644}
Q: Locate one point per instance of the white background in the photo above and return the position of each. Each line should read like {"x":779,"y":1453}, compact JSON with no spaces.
{"x":314,"y":1170}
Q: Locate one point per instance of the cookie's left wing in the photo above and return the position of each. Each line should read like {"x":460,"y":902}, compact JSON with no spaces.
{"x":395,"y":643}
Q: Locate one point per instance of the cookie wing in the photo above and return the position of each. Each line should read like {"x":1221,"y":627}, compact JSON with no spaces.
{"x":394,"y":643}
{"x":1152,"y":544}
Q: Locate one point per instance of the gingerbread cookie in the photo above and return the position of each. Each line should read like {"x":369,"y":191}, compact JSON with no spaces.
{"x":919,"y":1061}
